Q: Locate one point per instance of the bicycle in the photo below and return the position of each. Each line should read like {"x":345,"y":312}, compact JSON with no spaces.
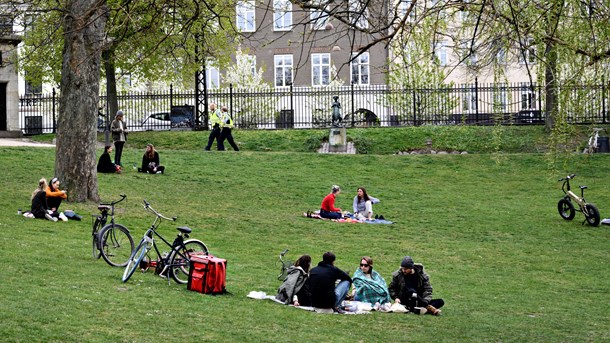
{"x":176,"y":263}
{"x":592,"y":144}
{"x":567,"y":210}
{"x":111,"y":241}
{"x":285,"y":265}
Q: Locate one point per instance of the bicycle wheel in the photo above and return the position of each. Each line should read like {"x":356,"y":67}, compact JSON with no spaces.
{"x":592,"y":214}
{"x":116,"y":244}
{"x":566,"y":209}
{"x":95,"y":238}
{"x":179,"y":260}
{"x":135,"y":258}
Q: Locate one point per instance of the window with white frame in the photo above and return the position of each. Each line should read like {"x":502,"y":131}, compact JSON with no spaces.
{"x":469,"y":57}
{"x":282,"y":15}
{"x":501,"y":56}
{"x":245,"y":16}
{"x":358,"y":14}
{"x":403,"y":6}
{"x":252,"y":60}
{"x":528,"y":52}
{"x":440,"y":52}
{"x":212,"y":76}
{"x":469,"y":99}
{"x":320,"y":69}
{"x":283,"y":70}
{"x":528,"y":97}
{"x":360,"y":69}
{"x":318,"y":17}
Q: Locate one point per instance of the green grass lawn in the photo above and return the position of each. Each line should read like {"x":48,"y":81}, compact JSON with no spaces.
{"x":485,"y":226}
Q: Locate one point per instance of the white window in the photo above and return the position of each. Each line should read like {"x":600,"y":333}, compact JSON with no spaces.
{"x":528,"y":53}
{"x":283,"y":70}
{"x":358,"y":14}
{"x":320,"y":69}
{"x":318,"y":19}
{"x":282,"y":15}
{"x":212,"y":76}
{"x":440,"y":51}
{"x":528,"y":97}
{"x":469,"y":99}
{"x":468,"y":56}
{"x":403,"y":6}
{"x":501,"y":56}
{"x":360,"y":69}
{"x":245,"y":16}
{"x":252,"y":62}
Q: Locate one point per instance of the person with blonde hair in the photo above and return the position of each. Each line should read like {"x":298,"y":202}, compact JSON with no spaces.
{"x":40,"y":209}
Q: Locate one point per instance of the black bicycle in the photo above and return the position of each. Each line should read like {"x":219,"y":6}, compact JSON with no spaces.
{"x":285,"y":264}
{"x":567,"y":209}
{"x":176,"y":263}
{"x":112,"y":241}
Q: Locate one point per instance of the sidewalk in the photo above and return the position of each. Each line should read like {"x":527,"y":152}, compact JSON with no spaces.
{"x":23,"y":142}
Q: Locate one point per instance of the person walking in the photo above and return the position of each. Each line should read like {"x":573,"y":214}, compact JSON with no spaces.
{"x":226,"y":123}
{"x":322,"y":280}
{"x":411,"y":287}
{"x":215,"y":133}
{"x":119,"y":136}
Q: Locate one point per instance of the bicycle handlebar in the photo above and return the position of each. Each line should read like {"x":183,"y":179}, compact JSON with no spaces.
{"x":122,"y":195}
{"x":569,"y":177}
{"x":149,"y":208}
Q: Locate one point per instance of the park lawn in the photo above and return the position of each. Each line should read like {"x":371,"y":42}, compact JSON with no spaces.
{"x":485,"y":226}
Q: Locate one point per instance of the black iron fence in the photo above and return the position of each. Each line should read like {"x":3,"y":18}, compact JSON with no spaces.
{"x":361,"y":106}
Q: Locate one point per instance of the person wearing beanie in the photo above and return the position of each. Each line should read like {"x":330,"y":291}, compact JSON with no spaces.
{"x":327,"y":208}
{"x":411,"y":287}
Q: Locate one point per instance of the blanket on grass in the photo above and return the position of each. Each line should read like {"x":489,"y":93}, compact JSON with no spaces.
{"x":349,"y":218}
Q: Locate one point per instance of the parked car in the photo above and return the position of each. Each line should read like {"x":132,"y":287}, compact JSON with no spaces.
{"x":156,"y":121}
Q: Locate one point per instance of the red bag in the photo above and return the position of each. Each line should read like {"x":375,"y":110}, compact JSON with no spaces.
{"x":207,"y":274}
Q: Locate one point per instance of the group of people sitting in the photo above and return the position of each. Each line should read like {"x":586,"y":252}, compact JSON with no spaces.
{"x":150,"y":162}
{"x":46,"y":200}
{"x":326,"y":286}
{"x":362,"y":206}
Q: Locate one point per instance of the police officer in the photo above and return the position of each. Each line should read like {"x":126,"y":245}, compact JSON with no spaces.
{"x":227,"y":125}
{"x":215,"y":133}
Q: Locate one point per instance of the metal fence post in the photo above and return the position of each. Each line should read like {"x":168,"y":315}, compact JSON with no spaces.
{"x":476,"y":99}
{"x":231,"y":98}
{"x":171,"y":96}
{"x":414,"y":107}
{"x":604,"y":99}
{"x":353,"y":114}
{"x":54,"y":116}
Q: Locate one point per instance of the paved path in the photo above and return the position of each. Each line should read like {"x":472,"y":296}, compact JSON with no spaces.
{"x":23,"y":142}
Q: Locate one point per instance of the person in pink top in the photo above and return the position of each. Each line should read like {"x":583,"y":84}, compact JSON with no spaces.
{"x":328,"y":209}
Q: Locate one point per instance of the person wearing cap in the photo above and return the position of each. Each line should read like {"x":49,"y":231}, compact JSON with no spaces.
{"x":55,"y":197}
{"x":326,"y":293}
{"x":327,"y":208}
{"x":150,"y":161}
{"x":119,"y":136}
{"x":215,"y":132}
{"x":411,"y":287}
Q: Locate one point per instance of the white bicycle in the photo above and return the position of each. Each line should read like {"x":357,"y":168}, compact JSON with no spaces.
{"x":593,"y":143}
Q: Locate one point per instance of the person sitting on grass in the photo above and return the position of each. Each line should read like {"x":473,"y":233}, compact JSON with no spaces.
{"x":327,"y":208}
{"x":40,"y":209}
{"x":363,"y":205}
{"x":411,"y":287}
{"x":326,"y":292}
{"x":295,"y":288}
{"x":150,"y":161}
{"x":369,"y":285}
{"x":105,"y":165}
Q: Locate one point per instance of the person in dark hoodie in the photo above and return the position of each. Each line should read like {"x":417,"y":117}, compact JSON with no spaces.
{"x":324,"y":293}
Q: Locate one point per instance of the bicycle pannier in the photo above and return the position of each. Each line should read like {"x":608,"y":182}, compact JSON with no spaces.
{"x":207,"y":274}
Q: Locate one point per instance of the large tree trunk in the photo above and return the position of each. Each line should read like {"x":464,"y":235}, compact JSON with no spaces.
{"x":75,"y":163}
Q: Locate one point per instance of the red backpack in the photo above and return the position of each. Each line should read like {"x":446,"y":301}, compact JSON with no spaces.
{"x":207,"y":274}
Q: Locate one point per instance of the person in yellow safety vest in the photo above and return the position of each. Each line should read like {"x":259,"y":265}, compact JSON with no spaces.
{"x":227,"y":125}
{"x":215,"y":133}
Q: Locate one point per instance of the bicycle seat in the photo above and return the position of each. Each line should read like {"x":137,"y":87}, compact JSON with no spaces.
{"x":103,"y":207}
{"x":184,"y":229}
{"x":583,"y":187}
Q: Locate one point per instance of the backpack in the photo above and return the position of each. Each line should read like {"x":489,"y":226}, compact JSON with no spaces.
{"x":207,"y":274}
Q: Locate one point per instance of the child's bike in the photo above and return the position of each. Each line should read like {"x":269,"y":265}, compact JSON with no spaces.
{"x":176,"y":263}
{"x":566,"y":207}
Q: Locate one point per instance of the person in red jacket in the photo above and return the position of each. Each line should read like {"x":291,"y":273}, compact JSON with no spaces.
{"x":328,"y":209}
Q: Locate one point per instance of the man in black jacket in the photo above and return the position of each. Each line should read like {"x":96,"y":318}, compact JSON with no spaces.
{"x":324,"y":293}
